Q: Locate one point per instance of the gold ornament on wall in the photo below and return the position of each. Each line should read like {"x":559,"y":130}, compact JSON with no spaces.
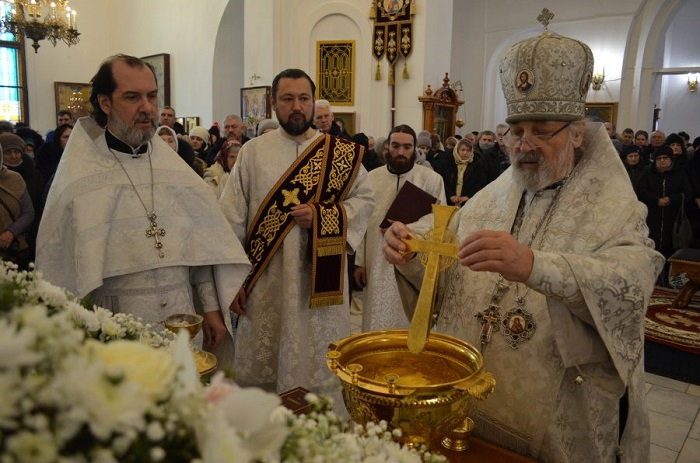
{"x":335,"y":69}
{"x":392,"y":33}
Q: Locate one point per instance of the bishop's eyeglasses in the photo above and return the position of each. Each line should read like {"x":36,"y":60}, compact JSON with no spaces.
{"x":536,"y":140}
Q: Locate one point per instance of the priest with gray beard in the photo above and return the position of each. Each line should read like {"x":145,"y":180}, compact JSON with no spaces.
{"x":124,"y":215}
{"x":556,"y":269}
{"x":381,"y":308}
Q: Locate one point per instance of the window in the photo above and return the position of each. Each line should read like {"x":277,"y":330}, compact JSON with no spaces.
{"x":13,"y":80}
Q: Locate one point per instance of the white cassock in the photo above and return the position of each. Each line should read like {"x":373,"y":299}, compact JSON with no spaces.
{"x":281,"y":343}
{"x":593,"y":274}
{"x":92,"y":238}
{"x":382,"y":308}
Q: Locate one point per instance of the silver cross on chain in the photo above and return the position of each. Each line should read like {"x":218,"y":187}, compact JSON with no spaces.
{"x":156,"y":233}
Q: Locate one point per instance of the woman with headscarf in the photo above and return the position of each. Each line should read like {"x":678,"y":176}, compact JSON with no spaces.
{"x":17,"y":160}
{"x":16,"y":217}
{"x":663,"y":189}
{"x":218,"y":173}
{"x":463,"y":173}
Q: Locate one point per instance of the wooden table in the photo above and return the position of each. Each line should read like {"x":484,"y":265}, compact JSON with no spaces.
{"x":686,"y":261}
{"x":480,"y":451}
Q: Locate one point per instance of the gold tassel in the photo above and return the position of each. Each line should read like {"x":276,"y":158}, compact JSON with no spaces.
{"x":330,"y":250}
{"x":405,"y":71}
{"x":378,"y":73}
{"x":391,"y":76}
{"x":324,"y":301}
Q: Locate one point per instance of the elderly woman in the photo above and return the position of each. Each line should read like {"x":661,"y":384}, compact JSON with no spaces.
{"x":663,"y":189}
{"x":218,"y":173}
{"x":16,"y":217}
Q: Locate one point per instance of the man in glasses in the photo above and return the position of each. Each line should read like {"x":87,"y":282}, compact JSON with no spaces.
{"x":556,"y":269}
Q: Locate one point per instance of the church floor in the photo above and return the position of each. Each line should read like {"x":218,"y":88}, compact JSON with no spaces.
{"x":674,"y":410}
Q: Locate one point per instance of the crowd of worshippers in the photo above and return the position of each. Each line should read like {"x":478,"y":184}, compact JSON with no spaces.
{"x":663,"y":170}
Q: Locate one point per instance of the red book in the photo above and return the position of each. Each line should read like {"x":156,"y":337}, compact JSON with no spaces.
{"x":411,"y":204}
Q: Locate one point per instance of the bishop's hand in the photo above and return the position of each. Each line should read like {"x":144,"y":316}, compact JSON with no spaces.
{"x":497,"y":251}
{"x":394,"y":248}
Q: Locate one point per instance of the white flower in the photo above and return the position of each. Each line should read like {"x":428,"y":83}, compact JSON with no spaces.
{"x":155,"y":431}
{"x":16,"y":346}
{"x":151,"y":369}
{"x":157,"y":454}
{"x":250,"y":411}
{"x":103,"y":456}
{"x":105,"y":402}
{"x":34,"y":447}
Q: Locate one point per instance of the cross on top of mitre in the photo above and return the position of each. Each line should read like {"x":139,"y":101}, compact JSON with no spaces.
{"x":545,"y":17}
{"x":438,"y":250}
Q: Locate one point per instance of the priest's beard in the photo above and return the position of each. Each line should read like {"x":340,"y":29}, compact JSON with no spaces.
{"x":128,"y":133}
{"x":546,"y":173}
{"x":400,"y":165}
{"x":296,"y":123}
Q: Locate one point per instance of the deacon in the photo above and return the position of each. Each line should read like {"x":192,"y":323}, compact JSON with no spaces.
{"x":382,"y":309}
{"x":299,"y":200}
{"x":124,"y":215}
{"x":556,"y":272}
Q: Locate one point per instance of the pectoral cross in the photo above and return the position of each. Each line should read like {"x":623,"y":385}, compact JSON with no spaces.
{"x":433,"y":248}
{"x":155,"y":232}
{"x":489,"y":320}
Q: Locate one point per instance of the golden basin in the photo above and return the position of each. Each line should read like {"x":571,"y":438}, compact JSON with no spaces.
{"x":427,"y":394}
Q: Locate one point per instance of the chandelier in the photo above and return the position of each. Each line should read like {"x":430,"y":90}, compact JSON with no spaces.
{"x":37,"y":20}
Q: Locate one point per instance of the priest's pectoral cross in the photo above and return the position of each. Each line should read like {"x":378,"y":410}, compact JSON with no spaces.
{"x":435,"y":253}
{"x":156,"y":233}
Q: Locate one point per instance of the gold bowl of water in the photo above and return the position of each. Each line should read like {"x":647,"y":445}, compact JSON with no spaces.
{"x":426,"y":395}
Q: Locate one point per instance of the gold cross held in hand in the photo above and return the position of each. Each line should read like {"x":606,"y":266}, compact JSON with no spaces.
{"x":433,"y":248}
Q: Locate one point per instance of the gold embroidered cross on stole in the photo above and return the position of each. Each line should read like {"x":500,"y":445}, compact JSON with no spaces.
{"x":436,"y":255}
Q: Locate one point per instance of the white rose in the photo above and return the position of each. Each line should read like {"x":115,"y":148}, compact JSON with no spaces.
{"x":152,"y":369}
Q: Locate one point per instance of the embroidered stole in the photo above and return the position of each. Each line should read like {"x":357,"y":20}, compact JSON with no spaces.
{"x":321,"y":176}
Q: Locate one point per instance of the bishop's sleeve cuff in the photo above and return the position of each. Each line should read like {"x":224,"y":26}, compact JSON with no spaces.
{"x":552,"y":276}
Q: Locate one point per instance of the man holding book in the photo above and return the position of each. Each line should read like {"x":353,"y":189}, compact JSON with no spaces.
{"x":401,"y":187}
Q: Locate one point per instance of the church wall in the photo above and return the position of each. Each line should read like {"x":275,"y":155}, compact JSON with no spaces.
{"x":303,"y":22}
{"x":492,"y":28}
{"x":65,"y":64}
{"x":680,"y":109}
{"x":228,"y":69}
{"x":186,"y":30}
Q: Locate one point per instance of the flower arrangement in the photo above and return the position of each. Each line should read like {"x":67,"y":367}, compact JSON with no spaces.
{"x":80,"y":384}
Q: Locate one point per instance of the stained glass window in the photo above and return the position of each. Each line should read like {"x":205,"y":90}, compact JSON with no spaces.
{"x":13,"y":84}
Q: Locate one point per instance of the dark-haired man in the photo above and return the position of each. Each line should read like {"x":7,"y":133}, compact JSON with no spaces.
{"x":382,"y":309}
{"x":298,"y":199}
{"x":120,"y":207}
{"x":62,"y":117}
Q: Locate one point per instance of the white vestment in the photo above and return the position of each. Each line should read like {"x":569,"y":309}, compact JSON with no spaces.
{"x":593,"y":274}
{"x":92,"y":238}
{"x":382,"y":308}
{"x":281,"y":343}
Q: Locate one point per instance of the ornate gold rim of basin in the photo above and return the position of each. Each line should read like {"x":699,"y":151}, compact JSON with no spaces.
{"x":205,"y":361}
{"x":458,"y":366}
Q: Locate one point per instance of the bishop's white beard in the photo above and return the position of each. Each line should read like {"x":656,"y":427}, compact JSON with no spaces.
{"x":546,"y":173}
